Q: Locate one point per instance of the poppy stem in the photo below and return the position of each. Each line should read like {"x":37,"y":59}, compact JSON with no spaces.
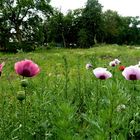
{"x":66,"y":77}
{"x":133,"y":108}
{"x":111,"y":116}
{"x":24,"y":116}
{"x":133,"y":96}
{"x":22,"y":119}
{"x":98,"y":92}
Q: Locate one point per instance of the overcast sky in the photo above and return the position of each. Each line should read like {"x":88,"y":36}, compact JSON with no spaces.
{"x":123,"y":7}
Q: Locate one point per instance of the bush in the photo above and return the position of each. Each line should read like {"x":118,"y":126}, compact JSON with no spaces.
{"x":83,"y":41}
{"x":54,"y":45}
{"x":15,"y":47}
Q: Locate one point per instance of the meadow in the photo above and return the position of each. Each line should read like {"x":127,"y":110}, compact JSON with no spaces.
{"x":65,"y":101}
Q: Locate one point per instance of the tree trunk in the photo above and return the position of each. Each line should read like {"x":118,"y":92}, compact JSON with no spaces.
{"x":64,"y":42}
{"x":18,"y":34}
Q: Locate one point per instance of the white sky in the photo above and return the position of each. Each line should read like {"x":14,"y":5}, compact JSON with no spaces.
{"x":123,"y":7}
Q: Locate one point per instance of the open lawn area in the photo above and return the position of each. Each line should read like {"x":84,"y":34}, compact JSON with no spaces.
{"x":66,"y":101}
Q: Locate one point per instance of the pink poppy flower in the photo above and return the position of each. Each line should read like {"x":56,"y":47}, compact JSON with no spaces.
{"x":102,"y":73}
{"x":1,"y":67}
{"x":112,"y":64}
{"x":88,"y":66}
{"x":27,"y":68}
{"x":131,"y":73}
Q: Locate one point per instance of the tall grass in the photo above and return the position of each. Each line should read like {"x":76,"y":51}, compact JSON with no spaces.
{"x":66,"y":102}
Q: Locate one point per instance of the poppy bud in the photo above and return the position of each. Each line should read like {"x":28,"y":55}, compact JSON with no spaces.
{"x":24,"y":83}
{"x":21,"y":95}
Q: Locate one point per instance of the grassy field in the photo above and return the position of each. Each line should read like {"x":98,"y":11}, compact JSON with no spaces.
{"x":66,"y":101}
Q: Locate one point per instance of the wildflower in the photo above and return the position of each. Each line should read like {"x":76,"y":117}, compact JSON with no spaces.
{"x":1,"y":67}
{"x":112,"y":64}
{"x":88,"y":66}
{"x":26,"y":68}
{"x":102,"y":73}
{"x":117,"y":61}
{"x":131,"y":73}
{"x":121,"y":68}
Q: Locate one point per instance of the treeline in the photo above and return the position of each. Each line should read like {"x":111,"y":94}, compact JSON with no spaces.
{"x":27,"y":24}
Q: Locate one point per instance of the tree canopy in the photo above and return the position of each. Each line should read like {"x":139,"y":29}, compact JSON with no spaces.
{"x":26,"y":23}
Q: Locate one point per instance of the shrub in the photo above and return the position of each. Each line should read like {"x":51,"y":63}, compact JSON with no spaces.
{"x":16,"y":46}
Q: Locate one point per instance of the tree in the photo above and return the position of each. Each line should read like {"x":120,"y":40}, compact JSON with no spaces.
{"x":134,"y":30}
{"x":120,"y":30}
{"x":111,"y":26}
{"x":83,"y":38}
{"x":74,"y":35}
{"x":55,"y":28}
{"x":91,"y":17}
{"x":64,"y":29}
{"x":4,"y":32}
{"x":16,"y":14}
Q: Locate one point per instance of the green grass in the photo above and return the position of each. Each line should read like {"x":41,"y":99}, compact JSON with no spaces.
{"x":65,"y":101}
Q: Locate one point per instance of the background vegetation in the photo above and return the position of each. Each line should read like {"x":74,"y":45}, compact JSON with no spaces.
{"x":65,"y":101}
{"x":28,"y":24}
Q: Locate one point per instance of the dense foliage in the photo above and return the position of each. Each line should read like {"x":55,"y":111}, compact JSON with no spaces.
{"x":29,"y":23}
